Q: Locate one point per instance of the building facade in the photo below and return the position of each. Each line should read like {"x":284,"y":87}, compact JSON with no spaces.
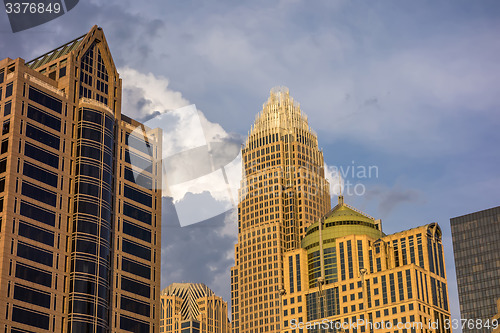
{"x":477,"y":260}
{"x":282,"y":192}
{"x":80,"y":203}
{"x":348,"y":276}
{"x":192,"y":308}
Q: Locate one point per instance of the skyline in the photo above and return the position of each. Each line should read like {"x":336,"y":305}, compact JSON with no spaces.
{"x":393,"y":90}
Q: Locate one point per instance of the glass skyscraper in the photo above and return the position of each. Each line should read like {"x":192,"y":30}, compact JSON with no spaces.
{"x":80,"y":204}
{"x":476,"y":248}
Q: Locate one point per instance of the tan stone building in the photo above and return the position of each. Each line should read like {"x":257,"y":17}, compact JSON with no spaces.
{"x":282,"y":192}
{"x":80,"y":208}
{"x":496,"y":319}
{"x":192,"y":308}
{"x":348,"y":276}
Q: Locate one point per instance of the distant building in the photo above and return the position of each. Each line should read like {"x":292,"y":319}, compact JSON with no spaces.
{"x":79,"y":208}
{"x":348,"y":271}
{"x":476,"y":246}
{"x":192,"y":308}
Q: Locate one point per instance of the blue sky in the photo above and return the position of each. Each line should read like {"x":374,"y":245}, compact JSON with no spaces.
{"x":411,"y":87}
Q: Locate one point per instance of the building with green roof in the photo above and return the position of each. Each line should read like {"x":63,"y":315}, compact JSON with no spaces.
{"x":348,"y":276}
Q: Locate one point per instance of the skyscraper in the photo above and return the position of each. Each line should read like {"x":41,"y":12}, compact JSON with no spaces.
{"x":282,"y":192}
{"x":348,"y":276}
{"x":192,"y":308}
{"x":477,"y":261}
{"x":79,"y":201}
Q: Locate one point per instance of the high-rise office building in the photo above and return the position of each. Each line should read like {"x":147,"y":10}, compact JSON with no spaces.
{"x":192,"y":308}
{"x":282,"y":192}
{"x":348,"y":274}
{"x":79,"y":205}
{"x":477,"y":261}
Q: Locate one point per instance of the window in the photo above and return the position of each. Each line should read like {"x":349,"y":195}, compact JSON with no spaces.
{"x":8,"y":89}
{"x":135,"y":287}
{"x":39,"y":194}
{"x":34,"y":275}
{"x":31,"y":296}
{"x":137,"y":196}
{"x":37,"y":234}
{"x":136,"y":249}
{"x":136,"y":213}
{"x":45,"y":100}
{"x":41,"y":155}
{"x":44,"y":118}
{"x":133,"y":230}
{"x":62,"y":72}
{"x":37,"y":213}
{"x":40,"y":174}
{"x":42,"y":136}
{"x":6,"y":127}
{"x":133,"y":325}
{"x":134,"y":306}
{"x":34,"y":253}
{"x":7,"y":108}
{"x":136,"y":268}
{"x":30,"y":317}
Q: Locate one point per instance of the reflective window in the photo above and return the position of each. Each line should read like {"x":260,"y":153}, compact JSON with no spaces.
{"x":138,"y":178}
{"x":136,"y":268}
{"x":138,"y":161}
{"x":134,"y":306}
{"x":91,"y":116}
{"x":138,"y":196}
{"x":34,"y":253}
{"x":8,"y":89}
{"x":6,"y":127}
{"x":37,"y":213}
{"x":30,"y":317}
{"x":31,"y":296}
{"x":136,"y":213}
{"x":82,"y":286}
{"x":85,"y":266}
{"x":34,"y":275}
{"x":36,"y":234}
{"x":90,"y":152}
{"x":86,"y":227}
{"x":87,"y":208}
{"x":45,"y":100}
{"x":3,"y":165}
{"x":7,"y":108}
{"x":133,"y":325}
{"x":141,"y":144}
{"x":91,"y":134}
{"x":86,"y":246}
{"x":135,"y":287}
{"x":40,"y":174}
{"x":136,"y":231}
{"x":44,"y":118}
{"x":88,"y":170}
{"x":41,"y":155}
{"x":83,"y":307}
{"x":88,"y":189}
{"x":136,"y":249}
{"x":39,"y":194}
{"x":42,"y":136}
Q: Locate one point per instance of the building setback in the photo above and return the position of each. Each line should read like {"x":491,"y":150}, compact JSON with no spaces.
{"x":347,"y":274}
{"x":476,"y":248}
{"x":282,"y":192}
{"x":80,"y":204}
{"x":192,"y":308}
